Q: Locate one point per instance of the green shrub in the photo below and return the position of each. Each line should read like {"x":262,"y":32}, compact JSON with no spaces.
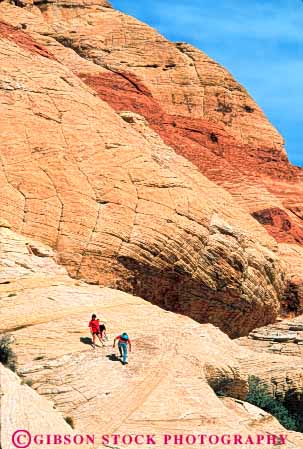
{"x":7,"y":355}
{"x":28,"y":382}
{"x":70,"y":421}
{"x":260,"y":396}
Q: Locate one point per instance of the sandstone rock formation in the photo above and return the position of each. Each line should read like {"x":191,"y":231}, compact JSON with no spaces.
{"x":122,"y":209}
{"x":285,"y":338}
{"x":23,"y":408}
{"x":140,"y":165}
{"x":192,"y":103}
{"x":176,"y":367}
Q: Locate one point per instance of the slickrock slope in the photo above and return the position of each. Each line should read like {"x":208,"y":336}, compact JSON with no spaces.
{"x":23,"y":408}
{"x":123,"y":209}
{"x":174,"y":370}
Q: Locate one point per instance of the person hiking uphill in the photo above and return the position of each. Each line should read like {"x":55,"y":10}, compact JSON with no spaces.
{"x":123,"y":342}
{"x":95,"y":329}
{"x":103,"y":335}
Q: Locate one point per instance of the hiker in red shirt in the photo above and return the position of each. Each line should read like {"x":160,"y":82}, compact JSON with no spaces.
{"x":124,"y":341}
{"x":94,"y":326}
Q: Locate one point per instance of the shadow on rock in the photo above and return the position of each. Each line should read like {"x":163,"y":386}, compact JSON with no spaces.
{"x":86,"y":340}
{"x":113,"y":358}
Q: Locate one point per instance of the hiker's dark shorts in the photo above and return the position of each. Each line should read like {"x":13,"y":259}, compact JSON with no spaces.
{"x":96,"y":333}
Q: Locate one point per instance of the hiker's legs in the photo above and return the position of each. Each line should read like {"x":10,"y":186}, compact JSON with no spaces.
{"x":103,"y":335}
{"x":100,"y":338}
{"x":124,"y":349}
{"x":94,"y":340}
{"x":120,"y":348}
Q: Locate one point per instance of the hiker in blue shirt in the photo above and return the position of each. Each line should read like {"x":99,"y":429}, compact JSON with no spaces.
{"x":123,"y":342}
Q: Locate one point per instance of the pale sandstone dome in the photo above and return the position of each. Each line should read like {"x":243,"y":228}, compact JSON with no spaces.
{"x":104,"y":46}
{"x":169,"y":386}
{"x":121,"y":207}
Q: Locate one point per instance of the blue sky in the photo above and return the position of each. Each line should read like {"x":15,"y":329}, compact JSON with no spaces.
{"x":259,"y":41}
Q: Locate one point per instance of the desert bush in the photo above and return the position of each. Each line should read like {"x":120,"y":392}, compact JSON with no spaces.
{"x":7,"y":355}
{"x":260,"y":396}
{"x":28,"y":382}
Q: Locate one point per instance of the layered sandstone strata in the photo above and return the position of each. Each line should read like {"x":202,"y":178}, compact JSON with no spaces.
{"x":285,"y":338}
